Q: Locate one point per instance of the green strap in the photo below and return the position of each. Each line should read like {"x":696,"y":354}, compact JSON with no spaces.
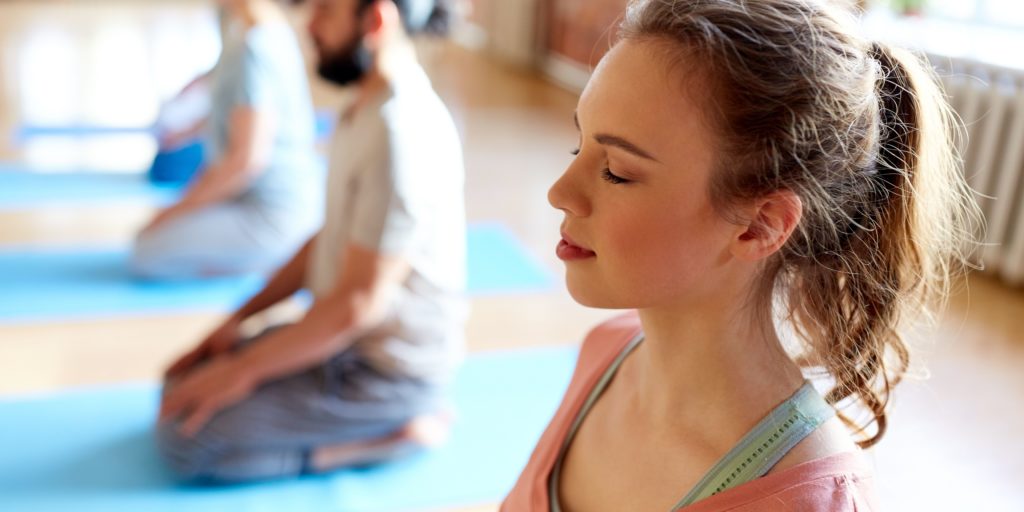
{"x":763,"y":446}
{"x":751,"y":458}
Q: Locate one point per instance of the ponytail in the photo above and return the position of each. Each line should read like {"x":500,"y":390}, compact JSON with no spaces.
{"x":901,"y":260}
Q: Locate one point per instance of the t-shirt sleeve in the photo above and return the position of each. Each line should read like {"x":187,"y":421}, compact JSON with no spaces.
{"x":388,"y":215}
{"x":254,"y":76}
{"x":835,"y":493}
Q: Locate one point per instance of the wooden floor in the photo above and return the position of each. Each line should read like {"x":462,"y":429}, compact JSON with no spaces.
{"x":955,"y":438}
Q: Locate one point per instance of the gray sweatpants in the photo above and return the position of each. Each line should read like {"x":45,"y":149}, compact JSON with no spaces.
{"x":271,"y":433}
{"x":232,"y":238}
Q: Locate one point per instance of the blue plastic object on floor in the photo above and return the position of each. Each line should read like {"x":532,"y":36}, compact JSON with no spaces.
{"x":177,"y":166}
{"x":325,"y":121}
{"x":21,"y":189}
{"x":92,"y":450}
{"x":46,"y":283}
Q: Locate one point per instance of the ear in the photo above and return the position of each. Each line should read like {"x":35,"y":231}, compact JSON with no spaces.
{"x":380,"y":17}
{"x":774,"y":218}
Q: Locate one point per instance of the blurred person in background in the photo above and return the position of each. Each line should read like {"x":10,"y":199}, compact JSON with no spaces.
{"x":256,"y":199}
{"x":363,"y":376}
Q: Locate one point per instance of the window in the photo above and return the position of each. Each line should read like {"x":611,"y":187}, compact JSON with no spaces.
{"x":987,"y":31}
{"x":1003,"y":13}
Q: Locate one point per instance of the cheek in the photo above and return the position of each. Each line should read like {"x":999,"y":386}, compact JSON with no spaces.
{"x":657,"y":249}
{"x":659,"y":252}
{"x":329,"y":30}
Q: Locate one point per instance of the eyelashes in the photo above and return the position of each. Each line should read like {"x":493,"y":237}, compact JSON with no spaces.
{"x":606,"y":174}
{"x":610,"y":177}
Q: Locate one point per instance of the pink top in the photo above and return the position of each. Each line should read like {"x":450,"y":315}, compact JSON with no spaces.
{"x":838,"y":483}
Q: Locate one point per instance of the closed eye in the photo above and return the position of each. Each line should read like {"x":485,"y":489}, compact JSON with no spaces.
{"x":610,"y":177}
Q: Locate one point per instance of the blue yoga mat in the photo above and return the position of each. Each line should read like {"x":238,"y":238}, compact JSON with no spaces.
{"x":325,"y":120}
{"x":499,"y":264}
{"x":20,"y":189}
{"x":27,"y":131}
{"x":44,"y":284}
{"x":92,"y":450}
{"x":23,"y":188}
{"x":48,"y":284}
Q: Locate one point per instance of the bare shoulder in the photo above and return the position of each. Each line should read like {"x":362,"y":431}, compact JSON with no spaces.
{"x":832,"y":438}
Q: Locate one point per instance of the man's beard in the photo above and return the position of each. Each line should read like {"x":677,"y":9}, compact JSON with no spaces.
{"x":348,"y":65}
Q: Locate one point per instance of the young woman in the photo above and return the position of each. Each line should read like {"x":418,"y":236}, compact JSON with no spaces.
{"x":257,"y":199}
{"x":746,"y":168}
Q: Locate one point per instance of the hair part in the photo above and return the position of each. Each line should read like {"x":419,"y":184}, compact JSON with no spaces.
{"x":863,"y":135}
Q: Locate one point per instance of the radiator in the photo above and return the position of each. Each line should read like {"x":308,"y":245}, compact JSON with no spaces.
{"x":990,"y":101}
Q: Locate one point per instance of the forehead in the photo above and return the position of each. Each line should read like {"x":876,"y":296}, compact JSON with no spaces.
{"x":638,"y":92}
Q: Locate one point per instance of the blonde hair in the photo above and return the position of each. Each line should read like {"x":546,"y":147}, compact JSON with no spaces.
{"x":862,"y":134}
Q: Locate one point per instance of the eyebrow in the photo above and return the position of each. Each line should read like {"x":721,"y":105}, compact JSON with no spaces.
{"x":616,"y":141}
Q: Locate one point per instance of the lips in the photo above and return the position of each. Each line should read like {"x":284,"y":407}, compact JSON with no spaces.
{"x":567,"y":250}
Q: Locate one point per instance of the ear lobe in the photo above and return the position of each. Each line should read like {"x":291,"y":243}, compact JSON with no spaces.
{"x":774,"y":220}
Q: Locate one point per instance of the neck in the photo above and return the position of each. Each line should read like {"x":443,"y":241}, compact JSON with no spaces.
{"x":389,"y":61}
{"x":712,"y":368}
{"x":255,"y":12}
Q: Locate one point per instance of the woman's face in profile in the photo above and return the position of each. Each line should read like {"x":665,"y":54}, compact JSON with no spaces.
{"x":639,"y":228}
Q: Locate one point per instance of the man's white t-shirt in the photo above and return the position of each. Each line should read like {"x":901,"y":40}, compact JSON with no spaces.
{"x":395,"y":186}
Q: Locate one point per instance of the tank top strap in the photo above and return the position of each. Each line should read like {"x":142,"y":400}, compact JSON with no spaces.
{"x":762,"y":447}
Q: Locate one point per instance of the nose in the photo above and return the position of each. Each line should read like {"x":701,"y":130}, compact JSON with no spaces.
{"x":568,"y":194}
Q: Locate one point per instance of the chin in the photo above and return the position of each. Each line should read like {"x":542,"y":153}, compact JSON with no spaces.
{"x":591,"y":292}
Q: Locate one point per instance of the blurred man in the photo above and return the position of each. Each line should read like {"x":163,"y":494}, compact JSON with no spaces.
{"x":362,"y":377}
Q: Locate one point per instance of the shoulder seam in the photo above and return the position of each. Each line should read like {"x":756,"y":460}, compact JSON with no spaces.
{"x":841,"y":479}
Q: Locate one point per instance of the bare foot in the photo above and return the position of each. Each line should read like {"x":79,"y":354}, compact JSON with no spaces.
{"x":430,"y":430}
{"x":425,"y":431}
